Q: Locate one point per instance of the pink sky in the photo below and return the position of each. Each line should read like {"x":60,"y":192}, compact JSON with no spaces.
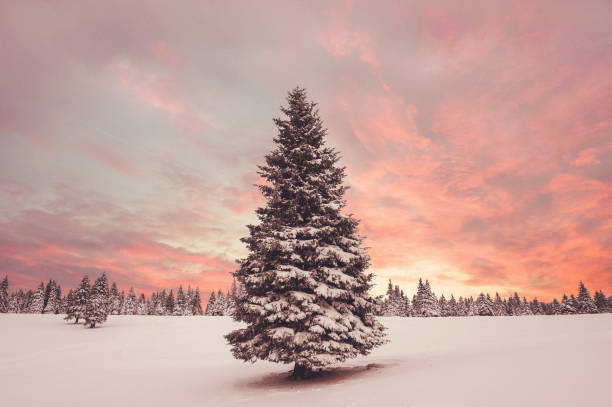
{"x":477,"y":137}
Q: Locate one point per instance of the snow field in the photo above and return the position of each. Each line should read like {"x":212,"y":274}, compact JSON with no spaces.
{"x":184,"y":361}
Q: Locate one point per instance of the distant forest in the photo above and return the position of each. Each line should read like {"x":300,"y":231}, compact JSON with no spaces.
{"x":425,"y":304}
{"x":47,"y":298}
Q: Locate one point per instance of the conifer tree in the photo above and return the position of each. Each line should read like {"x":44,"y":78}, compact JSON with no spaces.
{"x":307,"y":299}
{"x":115,"y":301}
{"x":210,"y":305}
{"x":555,"y":307}
{"x":38,"y":300}
{"x":52,"y":294}
{"x":499,"y":307}
{"x":220,"y":304}
{"x":4,"y":296}
{"x":96,"y":310}
{"x":427,"y":303}
{"x":567,"y":307}
{"x":196,"y":303}
{"x":141,"y":305}
{"x":484,"y":305}
{"x":170,"y":303}
{"x":452,"y":306}
{"x":181,"y":302}
{"x":601,"y":302}
{"x":586,"y":305}
{"x":78,"y":305}
{"x":130,"y":304}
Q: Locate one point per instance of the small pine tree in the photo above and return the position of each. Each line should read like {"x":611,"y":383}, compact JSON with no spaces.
{"x":305,"y":277}
{"x":196,"y":303}
{"x":130,"y":304}
{"x":141,"y":306}
{"x":181,"y":302}
{"x":428,"y":304}
{"x":78,"y":304}
{"x":452,"y":307}
{"x":4,"y":296}
{"x":52,"y":303}
{"x":96,"y":310}
{"x":38,"y":300}
{"x":210,"y":305}
{"x":567,"y":306}
{"x":115,"y":301}
{"x":484,"y":305}
{"x":170,"y":304}
{"x":586,"y":305}
{"x":555,"y":307}
{"x":601,"y":302}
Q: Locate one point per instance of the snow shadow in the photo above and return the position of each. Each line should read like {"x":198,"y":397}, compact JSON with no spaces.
{"x":326,"y":377}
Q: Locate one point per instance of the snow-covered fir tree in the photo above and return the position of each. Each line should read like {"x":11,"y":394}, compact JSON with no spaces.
{"x":566,"y":306}
{"x":426,"y":304}
{"x":499,"y":307}
{"x":601,"y":302}
{"x":181,"y":302}
{"x":586,"y":305}
{"x":307,"y":299}
{"x":555,"y":307}
{"x":96,"y":310}
{"x":77,"y":305}
{"x":170,"y":304}
{"x":4,"y":295}
{"x":130,"y":304}
{"x":115,"y":300}
{"x":196,"y":303}
{"x":210,"y":304}
{"x":52,"y":303}
{"x":38,"y":300}
{"x":484,"y":305}
{"x":452,"y":307}
{"x":141,"y":306}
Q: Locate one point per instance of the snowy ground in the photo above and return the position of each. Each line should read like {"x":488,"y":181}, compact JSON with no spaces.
{"x":183,"y":361}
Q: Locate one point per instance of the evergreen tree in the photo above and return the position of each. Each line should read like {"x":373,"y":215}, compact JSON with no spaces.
{"x":499,"y":307}
{"x":115,"y":301}
{"x":601,"y":302}
{"x":170,"y":304}
{"x":210,"y":305}
{"x":52,"y":294}
{"x":130,"y":304}
{"x":426,"y":300}
{"x":96,"y":309}
{"x":525,"y":309}
{"x":141,"y":305}
{"x":484,"y":305}
{"x":443,"y":305}
{"x":452,"y":307}
{"x":307,"y":298}
{"x":38,"y":300}
{"x":586,"y":305}
{"x":567,"y":307}
{"x":181,"y":302}
{"x":220,"y":304}
{"x":196,"y":303}
{"x":4,"y":295}
{"x":555,"y":307}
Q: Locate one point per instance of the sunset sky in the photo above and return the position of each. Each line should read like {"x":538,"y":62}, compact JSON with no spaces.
{"x":477,"y":137}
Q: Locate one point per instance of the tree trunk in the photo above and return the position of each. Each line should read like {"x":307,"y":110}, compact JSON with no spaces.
{"x":300,"y":372}
{"x":92,"y":325}
{"x":76,"y":320}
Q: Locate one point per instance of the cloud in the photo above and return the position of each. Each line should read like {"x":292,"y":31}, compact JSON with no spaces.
{"x":476,"y":137}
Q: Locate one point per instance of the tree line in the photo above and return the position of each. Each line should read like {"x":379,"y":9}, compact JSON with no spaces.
{"x":425,"y":304}
{"x":100,"y":298}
